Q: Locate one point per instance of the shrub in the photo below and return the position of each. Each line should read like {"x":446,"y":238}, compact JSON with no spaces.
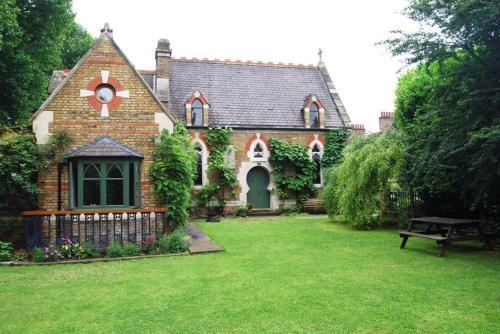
{"x":131,"y":250}
{"x":150,"y":245}
{"x":20,"y":254}
{"x":37,"y":254}
{"x":175,"y":242}
{"x":242,"y":211}
{"x":88,"y":251}
{"x":114,"y":250}
{"x":5,"y":251}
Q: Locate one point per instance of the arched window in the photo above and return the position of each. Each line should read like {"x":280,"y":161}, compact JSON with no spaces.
{"x":314,"y":115}
{"x":316,"y":157}
{"x":198,"y":181}
{"x":197,"y":113}
{"x":258,"y":151}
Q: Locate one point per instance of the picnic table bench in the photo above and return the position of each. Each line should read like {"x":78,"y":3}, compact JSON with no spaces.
{"x":444,"y":231}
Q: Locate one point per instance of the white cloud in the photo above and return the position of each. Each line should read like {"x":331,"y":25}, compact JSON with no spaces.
{"x":288,"y":31}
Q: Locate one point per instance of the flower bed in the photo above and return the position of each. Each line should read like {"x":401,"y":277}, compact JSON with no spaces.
{"x":69,"y":251}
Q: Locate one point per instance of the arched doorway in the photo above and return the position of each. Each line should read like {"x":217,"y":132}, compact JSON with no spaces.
{"x":258,"y":195}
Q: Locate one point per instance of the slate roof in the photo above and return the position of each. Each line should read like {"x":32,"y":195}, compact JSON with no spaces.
{"x":105,"y":146}
{"x":251,"y":95}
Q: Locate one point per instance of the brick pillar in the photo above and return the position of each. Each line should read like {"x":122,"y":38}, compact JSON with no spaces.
{"x":306,"y":118}
{"x":322,"y":118}
{"x":188,"y":114}
{"x":205,"y":114}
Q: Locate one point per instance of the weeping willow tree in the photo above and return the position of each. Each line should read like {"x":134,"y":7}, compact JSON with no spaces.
{"x":354,"y":187}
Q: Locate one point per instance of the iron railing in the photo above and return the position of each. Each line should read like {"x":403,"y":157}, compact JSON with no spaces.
{"x":97,"y":227}
{"x":397,"y":202}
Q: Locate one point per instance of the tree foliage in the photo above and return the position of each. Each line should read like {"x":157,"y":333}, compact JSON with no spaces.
{"x":353,"y":188}
{"x":36,"y":37}
{"x":20,"y":161}
{"x":448,"y":106}
{"x":293,"y":169}
{"x":172,"y":173}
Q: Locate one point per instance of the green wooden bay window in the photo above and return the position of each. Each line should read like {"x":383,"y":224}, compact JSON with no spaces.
{"x":105,"y":183}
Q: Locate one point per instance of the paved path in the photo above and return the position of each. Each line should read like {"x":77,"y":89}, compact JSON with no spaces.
{"x":200,"y":243}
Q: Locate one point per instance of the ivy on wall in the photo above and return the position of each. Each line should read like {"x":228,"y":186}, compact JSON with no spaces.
{"x":293,"y":170}
{"x":223,"y":176}
{"x":335,"y":143}
{"x":172,"y":173}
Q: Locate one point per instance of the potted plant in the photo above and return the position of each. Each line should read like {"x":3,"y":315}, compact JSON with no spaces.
{"x":242,"y":211}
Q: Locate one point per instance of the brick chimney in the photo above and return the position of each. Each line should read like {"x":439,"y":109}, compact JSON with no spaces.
{"x":163,"y":54}
{"x":386,"y":121}
{"x":358,"y":129}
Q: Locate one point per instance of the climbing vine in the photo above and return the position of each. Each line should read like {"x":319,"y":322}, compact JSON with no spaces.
{"x":218,"y":141}
{"x":335,"y":143}
{"x":172,"y":173}
{"x":293,"y":169}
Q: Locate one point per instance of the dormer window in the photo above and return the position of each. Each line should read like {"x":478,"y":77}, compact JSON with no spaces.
{"x":197,"y":110}
{"x":314,"y":112}
{"x":314,"y":116}
{"x":197,"y":113}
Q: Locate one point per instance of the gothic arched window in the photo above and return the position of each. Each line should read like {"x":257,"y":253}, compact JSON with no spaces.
{"x":316,"y":158}
{"x":198,"y":181}
{"x":314,"y":115}
{"x":197,"y":113}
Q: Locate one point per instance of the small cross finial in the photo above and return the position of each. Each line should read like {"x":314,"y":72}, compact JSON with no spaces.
{"x":107,"y":30}
{"x":320,"y":54}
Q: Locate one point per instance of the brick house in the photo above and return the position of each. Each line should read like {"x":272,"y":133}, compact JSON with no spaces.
{"x":112,"y":111}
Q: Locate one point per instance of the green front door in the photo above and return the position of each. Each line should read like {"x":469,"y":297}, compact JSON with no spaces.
{"x":258,"y":195}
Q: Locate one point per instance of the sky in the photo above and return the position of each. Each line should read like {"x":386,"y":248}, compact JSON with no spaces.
{"x":364,"y":74}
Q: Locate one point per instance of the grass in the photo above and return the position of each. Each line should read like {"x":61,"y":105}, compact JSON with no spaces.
{"x":278,"y":274}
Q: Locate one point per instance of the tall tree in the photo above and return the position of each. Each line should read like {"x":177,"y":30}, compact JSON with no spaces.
{"x":448,"y":106}
{"x":36,"y":37}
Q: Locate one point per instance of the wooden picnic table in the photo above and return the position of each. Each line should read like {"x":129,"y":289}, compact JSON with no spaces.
{"x":444,"y":231}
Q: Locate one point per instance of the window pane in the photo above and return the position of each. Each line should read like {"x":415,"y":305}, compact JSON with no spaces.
{"x":314,"y":118}
{"x":114,"y":192}
{"x":197,"y":117}
{"x":198,"y":181}
{"x":313,"y":107}
{"x":317,"y":162}
{"x":131,"y":186}
{"x":91,"y":171}
{"x":114,"y":172}
{"x":197,"y":104}
{"x":91,"y":192}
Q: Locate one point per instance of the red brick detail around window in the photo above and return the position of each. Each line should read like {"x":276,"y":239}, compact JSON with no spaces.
{"x":94,"y":102}
{"x":201,"y":98}
{"x":253,"y":138}
{"x":309,"y":101}
{"x":311,"y":139}
{"x":201,"y":137}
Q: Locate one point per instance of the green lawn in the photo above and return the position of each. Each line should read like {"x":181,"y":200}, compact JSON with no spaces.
{"x":278,"y":274}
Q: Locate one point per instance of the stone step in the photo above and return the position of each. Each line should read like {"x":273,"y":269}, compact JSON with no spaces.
{"x":262,"y":212}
